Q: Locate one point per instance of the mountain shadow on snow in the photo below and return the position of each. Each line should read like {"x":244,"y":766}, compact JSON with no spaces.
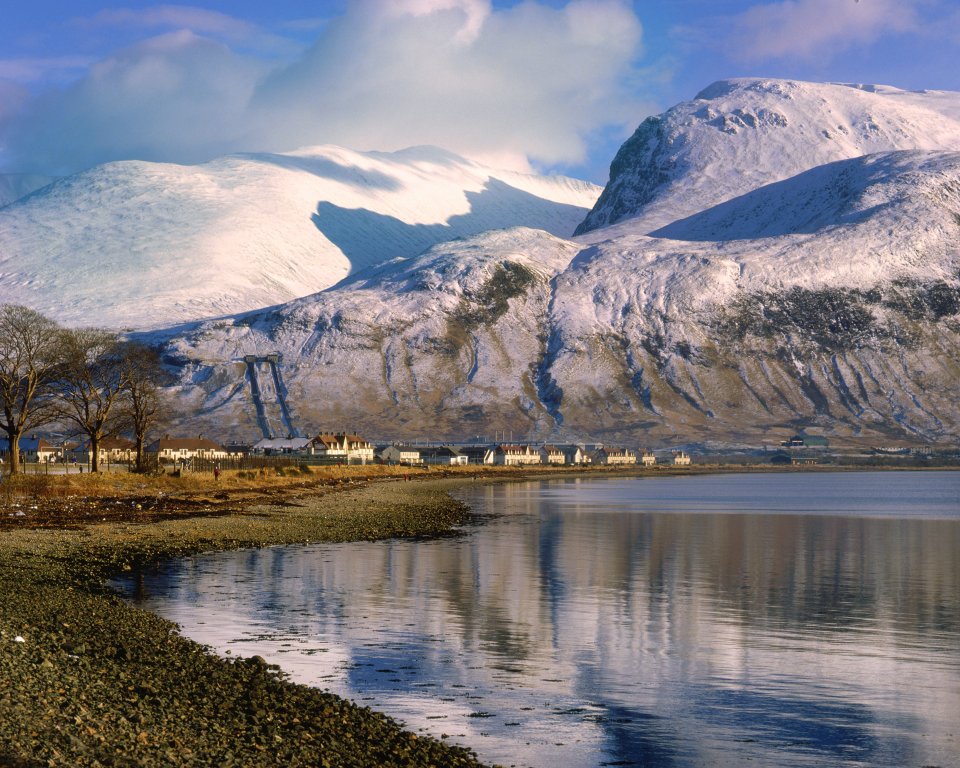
{"x":325,"y":168}
{"x":368,"y":238}
{"x":840,"y":193}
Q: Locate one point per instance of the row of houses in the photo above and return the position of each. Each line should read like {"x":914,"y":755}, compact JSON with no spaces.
{"x":354,"y":449}
{"x":347,"y":448}
{"x":116,"y":450}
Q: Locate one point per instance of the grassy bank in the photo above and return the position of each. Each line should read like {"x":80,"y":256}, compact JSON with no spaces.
{"x":90,"y":681}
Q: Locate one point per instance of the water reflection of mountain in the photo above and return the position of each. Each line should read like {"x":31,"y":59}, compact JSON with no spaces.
{"x":672,"y":635}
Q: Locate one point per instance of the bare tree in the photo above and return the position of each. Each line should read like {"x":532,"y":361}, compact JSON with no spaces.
{"x":29,"y":364}
{"x":91,"y":384}
{"x":144,"y":405}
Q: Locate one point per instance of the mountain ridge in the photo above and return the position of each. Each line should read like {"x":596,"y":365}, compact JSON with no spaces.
{"x":170,"y":243}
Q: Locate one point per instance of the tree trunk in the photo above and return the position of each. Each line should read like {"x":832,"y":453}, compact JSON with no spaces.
{"x":14,"y":438}
{"x":94,"y":453}
{"x":140,"y":442}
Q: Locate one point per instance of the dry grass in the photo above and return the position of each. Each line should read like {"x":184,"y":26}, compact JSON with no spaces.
{"x":110,"y":485}
{"x":114,"y":484}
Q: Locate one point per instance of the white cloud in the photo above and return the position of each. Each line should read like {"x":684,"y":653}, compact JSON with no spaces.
{"x":175,"y":97}
{"x":526,"y":82}
{"x":811,"y":29}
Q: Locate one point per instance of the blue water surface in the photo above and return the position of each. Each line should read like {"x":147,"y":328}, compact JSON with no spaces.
{"x":776,"y":619}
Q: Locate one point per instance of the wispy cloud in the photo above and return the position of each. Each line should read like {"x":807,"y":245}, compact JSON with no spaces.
{"x":200,"y":21}
{"x":812,"y":29}
{"x":529,"y":82}
{"x":30,"y":70}
{"x":177,"y":97}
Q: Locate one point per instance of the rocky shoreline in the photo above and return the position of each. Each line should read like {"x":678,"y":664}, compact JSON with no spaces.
{"x":88,"y":680}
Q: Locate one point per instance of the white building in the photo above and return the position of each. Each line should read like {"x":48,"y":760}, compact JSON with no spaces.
{"x":111,"y":449}
{"x":615,"y":456}
{"x":350,"y":449}
{"x":648,"y":459}
{"x":478,"y":454}
{"x":185,"y":448}
{"x":681,"y":459}
{"x":514,"y":455}
{"x":575,"y":454}
{"x":33,"y":449}
{"x":552,"y":454}
{"x":405,"y":455}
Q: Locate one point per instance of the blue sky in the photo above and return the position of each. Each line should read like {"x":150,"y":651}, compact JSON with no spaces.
{"x":553,"y":85}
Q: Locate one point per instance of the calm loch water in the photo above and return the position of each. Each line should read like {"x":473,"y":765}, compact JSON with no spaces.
{"x":778,"y":620}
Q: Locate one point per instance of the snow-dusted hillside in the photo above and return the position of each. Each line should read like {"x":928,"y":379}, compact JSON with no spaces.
{"x":837,"y":325}
{"x":831,"y":299}
{"x":738,"y":135}
{"x":136,"y":244}
{"x":827,"y":299}
{"x":430,"y":345}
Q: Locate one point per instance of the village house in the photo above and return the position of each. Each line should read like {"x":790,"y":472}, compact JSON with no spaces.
{"x":514,"y":455}
{"x":284,"y":446}
{"x":349,"y":449}
{"x":552,"y":454}
{"x":65,"y":450}
{"x":33,"y":450}
{"x":681,"y":459}
{"x":648,"y":459}
{"x":575,"y":454}
{"x":443,"y":455}
{"x":404,"y":455}
{"x":478,"y":454}
{"x":803,"y":440}
{"x":113,"y":450}
{"x":614,"y":456}
{"x":178,"y":449}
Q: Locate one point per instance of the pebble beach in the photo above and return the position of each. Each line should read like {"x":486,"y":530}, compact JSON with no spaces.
{"x":87,"y":680}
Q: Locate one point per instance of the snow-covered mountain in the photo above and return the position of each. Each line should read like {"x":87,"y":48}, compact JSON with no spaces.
{"x":135,"y":244}
{"x":738,"y":135}
{"x":768,"y":277}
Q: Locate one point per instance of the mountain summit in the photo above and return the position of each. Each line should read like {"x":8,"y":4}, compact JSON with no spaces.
{"x":738,"y":135}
